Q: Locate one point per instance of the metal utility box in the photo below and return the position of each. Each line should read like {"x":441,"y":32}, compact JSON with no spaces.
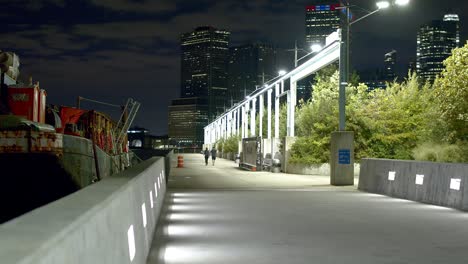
{"x":24,"y":101}
{"x":251,"y":154}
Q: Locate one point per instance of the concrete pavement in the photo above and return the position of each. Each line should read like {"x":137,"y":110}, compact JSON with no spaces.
{"x":223,"y":215}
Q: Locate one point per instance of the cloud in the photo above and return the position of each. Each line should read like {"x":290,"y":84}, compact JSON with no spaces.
{"x":36,"y":5}
{"x":128,"y":30}
{"x":143,"y":6}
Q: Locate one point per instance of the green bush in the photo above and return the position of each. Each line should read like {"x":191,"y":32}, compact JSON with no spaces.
{"x":442,"y":152}
{"x":231,"y":144}
{"x":308,"y":151}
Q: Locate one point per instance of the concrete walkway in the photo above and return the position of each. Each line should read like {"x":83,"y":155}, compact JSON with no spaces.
{"x":220,"y":214}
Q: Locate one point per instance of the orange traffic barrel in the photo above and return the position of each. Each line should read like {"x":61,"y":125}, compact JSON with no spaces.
{"x":180,"y":161}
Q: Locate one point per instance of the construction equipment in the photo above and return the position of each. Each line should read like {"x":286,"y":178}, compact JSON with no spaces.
{"x":125,"y":121}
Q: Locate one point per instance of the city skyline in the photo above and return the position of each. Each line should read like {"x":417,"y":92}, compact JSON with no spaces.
{"x":73,"y":55}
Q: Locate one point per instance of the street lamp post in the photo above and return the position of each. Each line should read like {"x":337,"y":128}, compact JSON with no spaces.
{"x":342,"y":142}
{"x":344,"y":52}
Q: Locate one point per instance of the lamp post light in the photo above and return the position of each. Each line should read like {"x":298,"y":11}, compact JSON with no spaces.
{"x":314,"y":49}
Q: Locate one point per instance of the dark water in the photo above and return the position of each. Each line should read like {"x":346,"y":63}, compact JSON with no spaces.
{"x":29,"y":181}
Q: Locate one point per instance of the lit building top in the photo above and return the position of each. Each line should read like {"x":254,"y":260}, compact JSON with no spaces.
{"x":321,"y":21}
{"x":435,"y":42}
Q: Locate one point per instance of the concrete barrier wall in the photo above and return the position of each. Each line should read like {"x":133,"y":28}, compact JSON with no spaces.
{"x":318,"y":169}
{"x":102,"y":223}
{"x":441,"y":184}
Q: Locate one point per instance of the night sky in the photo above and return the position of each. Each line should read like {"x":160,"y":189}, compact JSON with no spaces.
{"x":114,"y":49}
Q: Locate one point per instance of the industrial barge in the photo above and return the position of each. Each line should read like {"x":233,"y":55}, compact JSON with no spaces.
{"x":49,"y":151}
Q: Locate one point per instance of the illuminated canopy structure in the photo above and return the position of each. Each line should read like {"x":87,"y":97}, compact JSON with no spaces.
{"x":236,"y":120}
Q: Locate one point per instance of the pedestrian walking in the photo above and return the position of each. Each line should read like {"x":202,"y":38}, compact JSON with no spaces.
{"x":207,"y":155}
{"x":213,"y":155}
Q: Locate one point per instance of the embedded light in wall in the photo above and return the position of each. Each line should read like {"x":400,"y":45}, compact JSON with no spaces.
{"x":455,"y":184}
{"x":143,"y":214}
{"x":419,"y":179}
{"x":391,"y":175}
{"x":151,"y":199}
{"x":155,"y":190}
{"x":159,"y":184}
{"x":131,"y":242}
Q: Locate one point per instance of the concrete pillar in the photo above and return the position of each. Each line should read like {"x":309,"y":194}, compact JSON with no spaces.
{"x":342,"y":158}
{"x":253,"y":113}
{"x":261,"y":106}
{"x":277,"y":109}
{"x":269,"y":113}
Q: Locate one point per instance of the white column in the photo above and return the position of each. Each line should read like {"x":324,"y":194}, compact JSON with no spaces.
{"x":230,"y":120}
{"x":237,"y":120}
{"x":282,"y":87}
{"x":243,"y":121}
{"x":205,"y":138}
{"x":217,"y":131}
{"x":277,"y":109}
{"x":247,"y":111}
{"x":222,"y":122}
{"x":233,"y":122}
{"x":225,"y":126}
{"x":288,"y":114}
{"x":252,"y":117}
{"x":269,"y":113}
{"x":214,"y":133}
{"x":228,"y":132}
{"x":261,"y":105}
{"x":293,"y":108}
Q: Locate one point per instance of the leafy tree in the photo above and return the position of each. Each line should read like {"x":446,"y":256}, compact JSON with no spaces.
{"x":451,"y":95}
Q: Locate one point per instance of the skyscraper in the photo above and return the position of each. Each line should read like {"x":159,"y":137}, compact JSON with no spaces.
{"x":435,"y":43}
{"x":187,"y":118}
{"x":250,"y":66}
{"x":390,"y":63}
{"x":321,"y":21}
{"x":204,"y":66}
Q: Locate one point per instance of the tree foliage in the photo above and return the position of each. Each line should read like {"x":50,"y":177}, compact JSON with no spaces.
{"x":451,"y":95}
{"x":397,"y":122}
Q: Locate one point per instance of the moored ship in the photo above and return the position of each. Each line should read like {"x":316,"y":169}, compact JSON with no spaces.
{"x":48,"y":152}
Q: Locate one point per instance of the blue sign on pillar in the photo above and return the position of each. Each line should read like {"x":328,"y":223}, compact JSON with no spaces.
{"x":344,"y":156}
